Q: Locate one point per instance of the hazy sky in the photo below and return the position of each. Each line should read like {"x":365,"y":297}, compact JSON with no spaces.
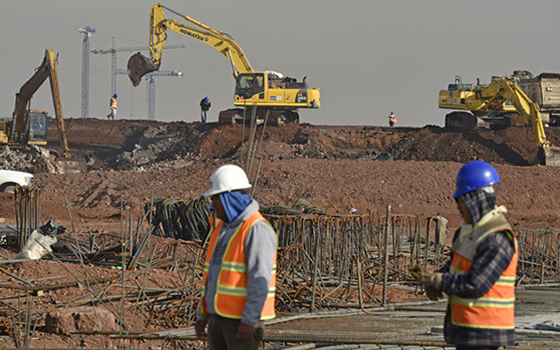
{"x":367,"y":57}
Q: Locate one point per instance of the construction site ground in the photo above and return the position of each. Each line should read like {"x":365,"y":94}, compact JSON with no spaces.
{"x":368,"y":168}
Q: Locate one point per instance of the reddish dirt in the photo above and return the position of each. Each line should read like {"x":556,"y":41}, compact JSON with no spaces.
{"x":334,"y":167}
{"x":411,"y":169}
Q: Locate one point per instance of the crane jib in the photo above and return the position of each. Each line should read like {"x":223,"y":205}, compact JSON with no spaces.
{"x":194,"y":35}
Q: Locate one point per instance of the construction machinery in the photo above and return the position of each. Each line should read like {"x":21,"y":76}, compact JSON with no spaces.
{"x":494,"y":105}
{"x":545,"y":91}
{"x":29,"y":127}
{"x":267,"y":93}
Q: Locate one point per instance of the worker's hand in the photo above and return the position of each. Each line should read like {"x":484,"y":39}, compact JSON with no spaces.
{"x":200,"y":328}
{"x":433,"y":293}
{"x":245,"y":332}
{"x":426,"y":277}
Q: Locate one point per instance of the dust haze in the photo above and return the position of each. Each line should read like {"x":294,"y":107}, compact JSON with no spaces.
{"x":367,"y":57}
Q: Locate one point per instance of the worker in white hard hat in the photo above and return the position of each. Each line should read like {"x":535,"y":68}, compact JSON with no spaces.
{"x":239,"y":279}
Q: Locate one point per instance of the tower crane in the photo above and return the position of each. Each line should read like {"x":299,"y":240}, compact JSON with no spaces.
{"x":113,"y":51}
{"x":151,"y":79}
{"x":86,"y":45}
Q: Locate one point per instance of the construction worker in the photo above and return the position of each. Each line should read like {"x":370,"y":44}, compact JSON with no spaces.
{"x":480,"y":277}
{"x":392,"y":119}
{"x":204,"y":108}
{"x":113,"y":107}
{"x":239,"y":277}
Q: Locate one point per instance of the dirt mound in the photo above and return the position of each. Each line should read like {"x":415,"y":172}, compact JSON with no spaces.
{"x":143,"y":145}
{"x":331,"y":166}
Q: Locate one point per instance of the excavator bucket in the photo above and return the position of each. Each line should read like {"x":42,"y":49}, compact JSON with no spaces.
{"x":549,"y":156}
{"x":138,"y":66}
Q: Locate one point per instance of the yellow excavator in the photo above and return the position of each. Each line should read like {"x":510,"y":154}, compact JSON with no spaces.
{"x":269,"y":93}
{"x":29,"y":127}
{"x":488,"y":105}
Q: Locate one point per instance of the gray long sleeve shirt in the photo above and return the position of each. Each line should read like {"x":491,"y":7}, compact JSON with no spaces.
{"x":260,"y":246}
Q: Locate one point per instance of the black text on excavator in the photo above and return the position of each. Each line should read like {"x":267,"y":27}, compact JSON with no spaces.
{"x":488,"y":104}
{"x":29,"y":127}
{"x":267,"y":93}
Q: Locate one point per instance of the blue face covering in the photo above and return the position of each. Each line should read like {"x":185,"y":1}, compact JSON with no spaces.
{"x":234,"y":203}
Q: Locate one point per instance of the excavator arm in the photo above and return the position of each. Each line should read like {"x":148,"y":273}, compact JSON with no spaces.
{"x":23,"y":97}
{"x":529,"y":110}
{"x":20,"y":122}
{"x":495,"y":97}
{"x":138,"y":65}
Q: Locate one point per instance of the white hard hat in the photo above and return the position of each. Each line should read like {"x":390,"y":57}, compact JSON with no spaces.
{"x":227,"y":178}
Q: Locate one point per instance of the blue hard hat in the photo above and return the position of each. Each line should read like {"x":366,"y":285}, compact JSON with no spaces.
{"x":392,"y":112}
{"x":115,"y":95}
{"x":474,"y":175}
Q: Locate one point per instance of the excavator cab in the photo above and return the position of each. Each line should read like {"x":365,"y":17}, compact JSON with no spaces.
{"x":37,"y":127}
{"x":249,"y":85}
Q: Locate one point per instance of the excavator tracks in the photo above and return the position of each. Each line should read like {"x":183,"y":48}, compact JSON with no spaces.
{"x":274,"y":117}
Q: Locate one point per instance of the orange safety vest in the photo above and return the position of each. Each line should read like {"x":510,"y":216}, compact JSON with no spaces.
{"x":495,"y":309}
{"x":113,"y":102}
{"x":231,"y":291}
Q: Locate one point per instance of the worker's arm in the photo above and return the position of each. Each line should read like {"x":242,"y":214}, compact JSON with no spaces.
{"x":260,"y":247}
{"x":492,"y":257}
{"x":445,"y":268}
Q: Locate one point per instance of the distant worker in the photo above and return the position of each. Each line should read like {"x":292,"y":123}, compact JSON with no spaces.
{"x":392,"y":119}
{"x":113,"y":107}
{"x":204,"y":108}
{"x":239,"y":279}
{"x":480,"y":277}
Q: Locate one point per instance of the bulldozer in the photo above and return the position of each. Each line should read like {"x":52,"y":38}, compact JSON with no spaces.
{"x":266,"y":95}
{"x":493,"y":106}
{"x":28,"y":126}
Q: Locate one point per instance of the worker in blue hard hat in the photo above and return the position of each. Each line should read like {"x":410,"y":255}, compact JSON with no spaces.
{"x":480,"y":277}
{"x":204,"y":108}
{"x":392,"y":119}
{"x":113,"y":107}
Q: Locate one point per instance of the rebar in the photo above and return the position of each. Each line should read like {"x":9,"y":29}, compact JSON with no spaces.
{"x":27,"y":211}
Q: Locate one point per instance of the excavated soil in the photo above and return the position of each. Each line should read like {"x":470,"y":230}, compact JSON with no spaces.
{"x":334,"y":167}
{"x":411,"y":169}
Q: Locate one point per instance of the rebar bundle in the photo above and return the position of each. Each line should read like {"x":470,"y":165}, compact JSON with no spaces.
{"x":172,"y":218}
{"x":28,"y":211}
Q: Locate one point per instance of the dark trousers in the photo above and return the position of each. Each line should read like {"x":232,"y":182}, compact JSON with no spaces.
{"x":222,"y":331}
{"x":459,"y":347}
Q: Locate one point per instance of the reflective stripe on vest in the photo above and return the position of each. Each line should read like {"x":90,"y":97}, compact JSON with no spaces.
{"x":231,"y":291}
{"x":495,"y":309}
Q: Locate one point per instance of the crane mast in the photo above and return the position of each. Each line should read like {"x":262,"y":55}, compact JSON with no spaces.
{"x":151,"y":78}
{"x":113,"y":52}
